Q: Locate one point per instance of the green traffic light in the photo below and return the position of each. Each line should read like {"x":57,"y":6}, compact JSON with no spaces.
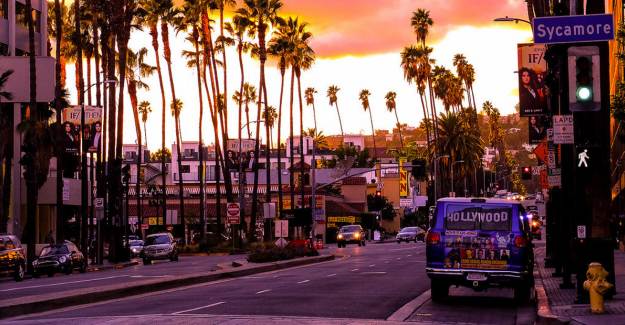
{"x":584,"y":93}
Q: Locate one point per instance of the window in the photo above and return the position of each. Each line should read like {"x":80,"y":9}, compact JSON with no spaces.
{"x":185,"y":169}
{"x":189,"y":152}
{"x":477,"y":217}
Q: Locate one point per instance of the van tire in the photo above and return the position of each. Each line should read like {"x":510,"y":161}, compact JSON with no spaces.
{"x":439,"y":290}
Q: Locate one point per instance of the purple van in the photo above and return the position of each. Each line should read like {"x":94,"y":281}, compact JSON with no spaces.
{"x":479,"y":243}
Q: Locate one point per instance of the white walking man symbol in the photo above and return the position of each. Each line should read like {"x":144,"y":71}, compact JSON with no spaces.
{"x":582,"y":158}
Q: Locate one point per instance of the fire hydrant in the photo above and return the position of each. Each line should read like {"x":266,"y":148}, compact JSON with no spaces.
{"x":597,"y":286}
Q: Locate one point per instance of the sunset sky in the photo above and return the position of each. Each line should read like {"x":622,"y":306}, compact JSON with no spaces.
{"x":357,"y":45}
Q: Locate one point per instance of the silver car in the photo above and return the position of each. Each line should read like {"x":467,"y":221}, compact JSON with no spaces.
{"x":409,"y":234}
{"x":160,"y":246}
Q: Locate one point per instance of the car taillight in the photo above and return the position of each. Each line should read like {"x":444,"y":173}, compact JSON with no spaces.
{"x":519,"y":241}
{"x":433,"y":238}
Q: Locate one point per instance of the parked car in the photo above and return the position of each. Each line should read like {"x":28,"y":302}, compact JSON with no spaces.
{"x":409,"y":234}
{"x":351,"y":234}
{"x":480,"y":243}
{"x":160,"y":246}
{"x":65,"y":257}
{"x":12,"y":257}
{"x":136,"y":247}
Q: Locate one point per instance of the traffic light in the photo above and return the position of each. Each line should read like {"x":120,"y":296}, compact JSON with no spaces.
{"x":378,"y":193}
{"x":584,"y":78}
{"x":526,"y":172}
{"x":418,"y":168}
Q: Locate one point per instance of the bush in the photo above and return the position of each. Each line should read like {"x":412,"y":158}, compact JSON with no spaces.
{"x":269,"y":252}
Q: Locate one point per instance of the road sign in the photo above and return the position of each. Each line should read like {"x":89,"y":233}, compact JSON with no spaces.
{"x":233,"y":213}
{"x":563,"y":132}
{"x":573,"y":29}
{"x":269,"y":210}
{"x":405,"y":202}
{"x":145,"y":226}
{"x":403,"y":178}
{"x":99,"y":202}
{"x":281,"y":228}
{"x":581,"y":232}
{"x":541,"y":151}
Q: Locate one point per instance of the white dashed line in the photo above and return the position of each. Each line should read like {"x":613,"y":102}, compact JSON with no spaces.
{"x":409,"y":255}
{"x":386,"y":262}
{"x":354,"y":270}
{"x":303,"y":281}
{"x":263,"y":291}
{"x":333,"y":274}
{"x":399,"y":258}
{"x":373,"y":273}
{"x":198,"y":308}
{"x":371,"y":265}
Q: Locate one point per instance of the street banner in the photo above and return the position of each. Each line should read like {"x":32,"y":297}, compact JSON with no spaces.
{"x":403,"y":178}
{"x":246,"y":156}
{"x":563,"y":131}
{"x":537,"y":130}
{"x":92,"y":131}
{"x":532,"y":90}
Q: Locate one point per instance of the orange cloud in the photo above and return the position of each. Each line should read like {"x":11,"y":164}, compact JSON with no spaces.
{"x":360,"y":27}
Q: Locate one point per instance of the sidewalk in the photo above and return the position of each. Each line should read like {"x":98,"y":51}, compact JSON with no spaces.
{"x":557,"y":305}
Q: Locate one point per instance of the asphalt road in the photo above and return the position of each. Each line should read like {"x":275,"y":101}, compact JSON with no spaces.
{"x":10,"y":289}
{"x":370,"y":282}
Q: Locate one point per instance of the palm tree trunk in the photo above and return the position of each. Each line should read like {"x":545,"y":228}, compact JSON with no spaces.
{"x":202,"y":178}
{"x":132,"y":92}
{"x":301,"y":136}
{"x":58,"y":107}
{"x":88,"y":79}
{"x":291,"y":160}
{"x":96,"y":54}
{"x":336,"y":103}
{"x":154,"y":35}
{"x":280,"y":194}
{"x":375,"y":150}
{"x":167,"y":54}
{"x":268,"y":148}
{"x":225,"y":70}
{"x":401,"y":138}
{"x":247,"y":117}
{"x":240,"y":131}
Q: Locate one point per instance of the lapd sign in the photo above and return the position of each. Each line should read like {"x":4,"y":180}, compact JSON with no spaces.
{"x":573,"y":29}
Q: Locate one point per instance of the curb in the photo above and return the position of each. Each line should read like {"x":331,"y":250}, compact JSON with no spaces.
{"x":28,"y":305}
{"x":544,"y":316}
{"x":403,"y":313}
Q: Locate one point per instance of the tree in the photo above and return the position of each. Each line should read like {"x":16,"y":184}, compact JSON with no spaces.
{"x":263,"y":14}
{"x":145,"y":109}
{"x":319,"y":138}
{"x":161,"y":155}
{"x":6,"y":153}
{"x":151,"y":16}
{"x":332,"y":96}
{"x":392,"y":107}
{"x":364,"y":99}
{"x":415,"y":64}
{"x":381,"y":204}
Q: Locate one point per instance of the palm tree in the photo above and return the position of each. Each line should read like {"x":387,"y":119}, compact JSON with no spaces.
{"x":222,"y":4}
{"x":145,"y":109}
{"x":332,"y":96}
{"x":5,"y":154}
{"x":249,"y":96}
{"x":136,"y":69}
{"x":414,"y":62}
{"x":309,"y":93}
{"x":364,"y":99}
{"x":392,"y":107}
{"x":151,"y":17}
{"x":421,"y":23}
{"x":319,"y":138}
{"x":460,"y":62}
{"x":176,"y":109}
{"x":263,"y":13}
{"x":270,"y":115}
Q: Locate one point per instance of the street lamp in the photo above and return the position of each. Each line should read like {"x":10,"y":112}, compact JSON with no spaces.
{"x":511,"y":19}
{"x":83,"y":165}
{"x":436,"y":159}
{"x":452,"y":175}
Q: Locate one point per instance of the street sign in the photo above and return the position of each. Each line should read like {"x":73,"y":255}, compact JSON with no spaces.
{"x":233,"y":213}
{"x":66,"y":190}
{"x":145,"y":226}
{"x":541,"y":151}
{"x":281,"y":228}
{"x":563,"y":132}
{"x":403,"y":178}
{"x":581,"y":232}
{"x":405,"y":202}
{"x":99,"y":202}
{"x":269,"y":210}
{"x":573,"y":29}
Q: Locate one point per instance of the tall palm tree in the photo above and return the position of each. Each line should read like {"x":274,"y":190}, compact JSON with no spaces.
{"x":414,"y":62}
{"x":151,"y":16}
{"x":460,"y":62}
{"x":263,"y":14}
{"x":145,"y":109}
{"x":392,"y":107}
{"x":332,"y":96}
{"x":309,"y":93}
{"x":319,"y":138}
{"x":136,"y":69}
{"x":222,"y":5}
{"x":270,"y":115}
{"x":364,"y":100}
{"x":58,"y":24}
{"x":176,"y":109}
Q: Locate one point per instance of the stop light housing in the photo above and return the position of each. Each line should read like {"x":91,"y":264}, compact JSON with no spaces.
{"x":584,"y":76}
{"x":418,"y":168}
{"x":526,"y":172}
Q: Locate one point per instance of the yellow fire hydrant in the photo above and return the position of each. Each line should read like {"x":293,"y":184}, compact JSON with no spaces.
{"x":597,"y":286}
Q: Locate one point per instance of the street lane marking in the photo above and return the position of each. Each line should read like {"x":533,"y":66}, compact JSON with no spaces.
{"x":399,"y":258}
{"x":333,"y":274}
{"x":354,"y":270}
{"x":375,"y":272}
{"x":263,"y":291}
{"x":402,"y":249}
{"x":371,"y":265}
{"x":386,"y":262}
{"x":303,"y":281}
{"x":198,"y":308}
{"x":62,"y":283}
{"x":409,"y":255}
{"x":149,"y":276}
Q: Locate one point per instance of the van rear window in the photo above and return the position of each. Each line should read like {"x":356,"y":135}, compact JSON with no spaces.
{"x":483,"y":217}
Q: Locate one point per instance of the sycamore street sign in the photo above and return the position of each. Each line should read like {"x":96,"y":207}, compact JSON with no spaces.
{"x":573,"y":29}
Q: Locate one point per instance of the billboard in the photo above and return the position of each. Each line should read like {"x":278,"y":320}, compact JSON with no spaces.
{"x":537,"y":129}
{"x":532,"y":69}
{"x":246,"y":158}
{"x":93,"y":127}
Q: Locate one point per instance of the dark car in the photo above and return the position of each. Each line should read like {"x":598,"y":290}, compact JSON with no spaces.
{"x":136,"y":247}
{"x":351,"y":234}
{"x":159,"y":246}
{"x":480,"y":243}
{"x":65,"y":257}
{"x":12,"y":257}
{"x":409,"y":234}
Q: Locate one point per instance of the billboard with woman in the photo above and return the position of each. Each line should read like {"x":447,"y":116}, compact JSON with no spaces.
{"x":532,"y":70}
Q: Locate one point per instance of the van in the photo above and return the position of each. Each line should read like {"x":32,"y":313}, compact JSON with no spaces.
{"x":479,"y":243}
